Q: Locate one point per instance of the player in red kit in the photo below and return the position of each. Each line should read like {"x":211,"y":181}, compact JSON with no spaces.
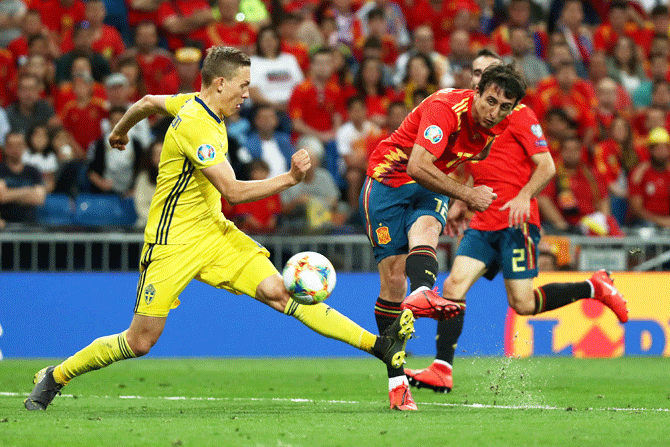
{"x":407,"y":188}
{"x":505,"y":237}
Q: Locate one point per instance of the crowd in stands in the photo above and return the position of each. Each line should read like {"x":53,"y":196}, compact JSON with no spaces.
{"x":333,"y":77}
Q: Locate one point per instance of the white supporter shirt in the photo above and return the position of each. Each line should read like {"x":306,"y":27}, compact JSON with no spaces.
{"x":276,"y":78}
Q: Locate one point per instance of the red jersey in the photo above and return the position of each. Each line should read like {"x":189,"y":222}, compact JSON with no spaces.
{"x":508,"y":168}
{"x":183,"y":8}
{"x":262,"y":210}
{"x":316,"y":108}
{"x":60,"y":19}
{"x":444,"y":126}
{"x":136,"y":16}
{"x":576,"y":194}
{"x":239,"y":35}
{"x":7,"y":78}
{"x":653,"y":186}
{"x":64,"y":94}
{"x":154,"y":67}
{"x":84,"y":122}
{"x":109,"y":43}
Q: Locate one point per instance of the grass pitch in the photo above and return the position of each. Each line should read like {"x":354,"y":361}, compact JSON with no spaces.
{"x":343,"y":402}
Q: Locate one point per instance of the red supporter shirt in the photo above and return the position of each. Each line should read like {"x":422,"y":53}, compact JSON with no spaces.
{"x":84,"y":122}
{"x":578,"y":194}
{"x":183,"y":8}
{"x":653,"y":186}
{"x":238,"y":35}
{"x":109,"y":44}
{"x":60,"y":19}
{"x":135,"y":16}
{"x":579,"y":104}
{"x":7,"y":78}
{"x":263,"y":210}
{"x":64,"y":94}
{"x":508,"y":168}
{"x":316,"y":108}
{"x":154,"y":68}
{"x":444,"y":126}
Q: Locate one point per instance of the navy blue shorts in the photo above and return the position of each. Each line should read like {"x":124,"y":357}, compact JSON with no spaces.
{"x":513,"y":250}
{"x":390,"y":212}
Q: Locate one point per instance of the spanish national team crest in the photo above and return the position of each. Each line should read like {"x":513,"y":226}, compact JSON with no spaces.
{"x":537,"y":130}
{"x":383,"y":236}
{"x":433,"y":134}
{"x":206,"y":152}
{"x":149,"y":293}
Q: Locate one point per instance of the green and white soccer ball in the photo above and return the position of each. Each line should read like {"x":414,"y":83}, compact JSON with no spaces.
{"x":309,"y":277}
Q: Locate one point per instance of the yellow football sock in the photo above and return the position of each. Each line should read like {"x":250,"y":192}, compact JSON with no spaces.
{"x":330,"y":323}
{"x":102,"y":352}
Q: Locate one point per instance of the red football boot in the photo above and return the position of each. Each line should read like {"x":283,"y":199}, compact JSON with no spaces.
{"x":436,"y":377}
{"x":401,"y":398}
{"x":605,"y":292}
{"x":429,"y":304}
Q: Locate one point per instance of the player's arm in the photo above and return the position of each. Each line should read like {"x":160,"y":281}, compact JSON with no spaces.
{"x":235,"y":191}
{"x":458,"y":215}
{"x":421,"y":167}
{"x":144,"y":108}
{"x":519,"y":206}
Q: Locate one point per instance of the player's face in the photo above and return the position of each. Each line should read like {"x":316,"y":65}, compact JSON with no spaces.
{"x":235,"y":90}
{"x":478,"y":66}
{"x":491,"y":106}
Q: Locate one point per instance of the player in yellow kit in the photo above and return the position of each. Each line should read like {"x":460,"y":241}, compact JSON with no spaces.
{"x":187,"y":236}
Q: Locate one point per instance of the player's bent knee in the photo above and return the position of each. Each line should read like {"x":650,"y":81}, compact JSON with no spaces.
{"x":272,"y":292}
{"x":141,"y":345}
{"x":523,"y":307}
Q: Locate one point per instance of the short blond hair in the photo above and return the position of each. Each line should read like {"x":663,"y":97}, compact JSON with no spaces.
{"x":222,"y":62}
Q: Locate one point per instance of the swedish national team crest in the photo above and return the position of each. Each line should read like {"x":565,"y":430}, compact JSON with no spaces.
{"x":206,"y":152}
{"x":433,"y":134}
{"x":149,"y":293}
{"x":383,"y":236}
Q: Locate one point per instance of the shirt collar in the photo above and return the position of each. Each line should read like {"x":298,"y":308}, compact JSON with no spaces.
{"x":211,"y":113}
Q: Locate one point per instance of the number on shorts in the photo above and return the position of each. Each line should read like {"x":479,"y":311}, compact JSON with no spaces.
{"x":441,"y":208}
{"x":519,"y":257}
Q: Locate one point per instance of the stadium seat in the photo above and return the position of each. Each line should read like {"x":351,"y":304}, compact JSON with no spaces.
{"x":99,"y":210}
{"x":58,"y":209}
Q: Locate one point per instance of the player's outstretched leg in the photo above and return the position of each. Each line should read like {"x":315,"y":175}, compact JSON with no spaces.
{"x":45,"y":390}
{"x":605,"y":292}
{"x":427,"y":303}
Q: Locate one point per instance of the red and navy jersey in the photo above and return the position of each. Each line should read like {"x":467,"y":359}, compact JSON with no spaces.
{"x":508,"y":168}
{"x":443,"y":125}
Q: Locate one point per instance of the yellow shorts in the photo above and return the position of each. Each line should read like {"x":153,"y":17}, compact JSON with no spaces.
{"x":226,"y":259}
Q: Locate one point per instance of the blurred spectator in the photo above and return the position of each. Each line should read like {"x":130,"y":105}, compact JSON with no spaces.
{"x":369,"y":84}
{"x":105,"y":39}
{"x":397,"y":112}
{"x":606,"y":109}
{"x":112,"y":170}
{"x":625,"y":66}
{"x":344,"y":65}
{"x":83,"y":116}
{"x":470,"y":35}
{"x":31,"y":27}
{"x":119,"y":95}
{"x":145,"y":183}
{"x":424,"y":43}
{"x":7,"y":77}
{"x":60,"y":16}
{"x":21,"y":186}
{"x":576,"y":96}
{"x":82,"y":37}
{"x":352,"y":146}
{"x":395,"y":25}
{"x":259,"y":217}
{"x":81,"y":67}
{"x":186,"y":78}
{"x":518,"y":14}
{"x":29,"y":109}
{"x":598,"y":71}
{"x":533,"y":68}
{"x":142,"y":11}
{"x":227,"y":30}
{"x":11,"y":19}
{"x":347,"y":28}
{"x":183,"y":19}
{"x":313,"y":204}
{"x":649,"y":183}
{"x":575,"y":196}
{"x":621,"y":20}
{"x":377,"y":27}
{"x":130,"y":68}
{"x":269,"y":145}
{"x":420,"y":75}
{"x":288,"y":28}
{"x":44,"y":70}
{"x":275,"y":74}
{"x":646,"y":120}
{"x":558,"y":126}
{"x":577,"y":35}
{"x":41,"y":155}
{"x":659,"y":70}
{"x":373,"y":49}
{"x":154,"y":63}
{"x":317,"y":105}
{"x":460,"y":55}
{"x":437,"y":14}
{"x":238,"y":127}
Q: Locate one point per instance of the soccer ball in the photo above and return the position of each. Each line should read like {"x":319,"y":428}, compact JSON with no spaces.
{"x":309,"y":277}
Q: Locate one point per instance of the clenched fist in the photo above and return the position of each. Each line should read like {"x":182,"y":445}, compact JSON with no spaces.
{"x":300,"y":164}
{"x":481,"y":198}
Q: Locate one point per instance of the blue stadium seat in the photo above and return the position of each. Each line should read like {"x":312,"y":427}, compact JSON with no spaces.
{"x":58,"y":209}
{"x":99,"y":210}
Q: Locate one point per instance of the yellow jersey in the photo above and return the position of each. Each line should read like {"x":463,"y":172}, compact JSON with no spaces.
{"x":186,"y":206}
